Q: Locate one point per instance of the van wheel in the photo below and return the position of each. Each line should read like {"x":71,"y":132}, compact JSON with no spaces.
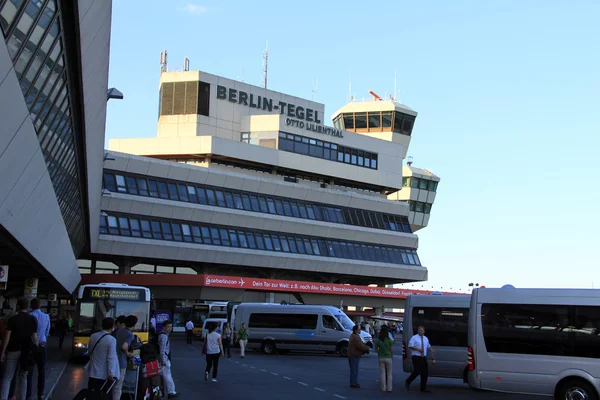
{"x":576,"y":389}
{"x":269,"y":347}
{"x":343,"y":350}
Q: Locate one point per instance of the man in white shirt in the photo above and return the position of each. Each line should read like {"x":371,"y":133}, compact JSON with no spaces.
{"x":103,"y":364}
{"x":189,"y":331}
{"x":419,"y":348}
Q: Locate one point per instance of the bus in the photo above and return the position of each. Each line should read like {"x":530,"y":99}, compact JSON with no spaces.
{"x":445,"y":319}
{"x":98,"y":301}
{"x":535,"y":341}
{"x":199,"y":313}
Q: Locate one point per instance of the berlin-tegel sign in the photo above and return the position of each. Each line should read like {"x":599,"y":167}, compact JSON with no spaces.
{"x":279,"y":285}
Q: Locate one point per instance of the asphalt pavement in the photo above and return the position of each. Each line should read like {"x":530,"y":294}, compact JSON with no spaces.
{"x":292,"y":376}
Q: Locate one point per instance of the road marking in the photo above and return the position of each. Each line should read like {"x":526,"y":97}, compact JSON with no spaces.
{"x":252,"y":367}
{"x":274,"y":373}
{"x":319,"y":389}
{"x":244,"y":365}
{"x":264,"y":370}
{"x":339,"y":397}
{"x":288,"y":378}
{"x":303,"y":384}
{"x":237,"y":362}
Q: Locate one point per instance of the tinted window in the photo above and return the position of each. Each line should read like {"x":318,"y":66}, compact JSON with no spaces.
{"x":527,"y":329}
{"x":444,"y":326}
{"x":283,"y":321}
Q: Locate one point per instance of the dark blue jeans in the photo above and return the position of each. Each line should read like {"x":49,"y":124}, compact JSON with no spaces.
{"x":40,"y":361}
{"x":353,"y":362}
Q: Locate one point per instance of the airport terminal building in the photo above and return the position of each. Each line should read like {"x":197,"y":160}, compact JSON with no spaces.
{"x":248,"y":182}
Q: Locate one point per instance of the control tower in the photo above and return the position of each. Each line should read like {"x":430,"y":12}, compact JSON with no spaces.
{"x":389,"y":120}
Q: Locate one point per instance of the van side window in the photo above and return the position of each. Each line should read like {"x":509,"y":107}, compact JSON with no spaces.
{"x":554,"y":330}
{"x":283,"y":321}
{"x":444,"y":326}
{"x":330,"y":323}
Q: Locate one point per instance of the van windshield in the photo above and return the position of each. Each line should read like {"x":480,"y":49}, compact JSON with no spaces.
{"x":344,"y":321}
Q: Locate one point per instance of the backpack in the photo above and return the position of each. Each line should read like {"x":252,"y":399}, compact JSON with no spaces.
{"x":149,"y":351}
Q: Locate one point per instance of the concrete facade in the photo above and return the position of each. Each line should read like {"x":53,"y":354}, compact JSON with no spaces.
{"x":29,"y":208}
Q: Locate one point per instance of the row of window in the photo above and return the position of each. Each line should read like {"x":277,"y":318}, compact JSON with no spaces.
{"x":249,"y":201}
{"x":551,"y":330}
{"x":161,"y":229}
{"x":327,"y":150}
{"x":34,"y":38}
{"x":419,"y":206}
{"x":446,"y":326}
{"x":419,"y":183}
{"x":376,"y":121}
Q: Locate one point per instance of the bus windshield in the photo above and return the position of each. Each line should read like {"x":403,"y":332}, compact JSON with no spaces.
{"x":92,"y":313}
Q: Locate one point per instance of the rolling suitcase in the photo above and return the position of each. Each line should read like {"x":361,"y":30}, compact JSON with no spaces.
{"x":104,"y":393}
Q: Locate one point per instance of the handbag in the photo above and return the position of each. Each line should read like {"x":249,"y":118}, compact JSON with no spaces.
{"x":205,"y":347}
{"x":150,"y":369}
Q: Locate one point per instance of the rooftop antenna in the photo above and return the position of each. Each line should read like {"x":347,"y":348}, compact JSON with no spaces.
{"x":395,"y":87}
{"x":186,"y":64}
{"x":163,"y":61}
{"x":242,"y":74}
{"x":265,"y":65}
{"x":410,"y":161}
{"x":350,"y":97}
{"x":315,"y":89}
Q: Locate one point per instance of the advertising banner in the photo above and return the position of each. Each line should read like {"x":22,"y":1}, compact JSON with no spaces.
{"x":160,"y":318}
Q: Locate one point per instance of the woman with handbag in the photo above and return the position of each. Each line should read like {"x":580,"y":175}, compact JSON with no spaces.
{"x":214,"y":350}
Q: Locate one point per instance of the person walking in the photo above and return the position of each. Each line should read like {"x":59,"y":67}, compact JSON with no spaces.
{"x":383,"y":346}
{"x":124,"y":337}
{"x":43,"y":330}
{"x":103,"y":364}
{"x":62,"y":326}
{"x":189,"y":331}
{"x":214,"y":350}
{"x":227,"y":337}
{"x":164,"y":358}
{"x":243,"y":339}
{"x":356,"y":349}
{"x":21,"y":331}
{"x":419,"y":346}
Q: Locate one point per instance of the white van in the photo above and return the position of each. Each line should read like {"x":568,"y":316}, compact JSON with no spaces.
{"x":445,"y":319}
{"x":273,"y":327}
{"x":536,"y":341}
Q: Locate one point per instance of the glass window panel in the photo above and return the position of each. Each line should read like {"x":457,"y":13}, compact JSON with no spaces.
{"x":303,"y":213}
{"x":202,"y":196}
{"x":153,"y":188}
{"x":315,"y":247}
{"x":271,"y":204}
{"x":197,"y":234}
{"x":295,"y":210}
{"x":173,"y":191}
{"x":156,"y":232}
{"x":276,"y":243}
{"x":109,"y":182}
{"x":246,"y":202}
{"x":286,"y":145}
{"x":308,"y":246}
{"x":316,"y":151}
{"x":340,"y":156}
{"x":121,"y":186}
{"x":287,"y":208}
{"x":9,"y":12}
{"x":254,"y":202}
{"x":220,"y":198}
{"x":234,"y":238}
{"x":432,"y":186}
{"x":191,"y":192}
{"x":264,"y":208}
{"x":131,"y":185}
{"x":279,"y":206}
{"x":251,"y":241}
{"x":423,"y":184}
{"x":183,"y":192}
{"x":284,"y":244}
{"x":229,"y":199}
{"x":210,"y":196}
{"x":242,"y":239}
{"x":292,"y":243}
{"x":166,"y":228}
{"x":113,"y":225}
{"x":268,"y":242}
{"x":124,"y":226}
{"x":374,"y":120}
{"x":398,"y":122}
{"x":103,"y":226}
{"x":348,"y":121}
{"x":206,"y":235}
{"x":310,"y":211}
{"x":187,"y":233}
{"x":238,"y":201}
{"x":216,"y":238}
{"x":142,"y":186}
{"x":360,"y":120}
{"x":374,"y":162}
{"x":146,"y":229}
{"x":386,"y":119}
{"x":300,"y":245}
{"x":301,"y":148}
{"x":260,"y":243}
{"x":177,"y":232}
{"x":162,"y":190}
{"x":407,"y":125}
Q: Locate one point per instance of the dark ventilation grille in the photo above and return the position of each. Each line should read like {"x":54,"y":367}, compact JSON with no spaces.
{"x":191,"y":98}
{"x":184,"y":98}
{"x":179,"y":98}
{"x":167,"y":99}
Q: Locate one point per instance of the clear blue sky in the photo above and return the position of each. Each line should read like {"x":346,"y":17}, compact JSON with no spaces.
{"x":507,"y":94}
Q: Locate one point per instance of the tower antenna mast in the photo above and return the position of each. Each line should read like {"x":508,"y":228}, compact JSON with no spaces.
{"x":395,"y":87}
{"x":315,"y":89}
{"x":265,"y":65}
{"x":163,"y":61}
